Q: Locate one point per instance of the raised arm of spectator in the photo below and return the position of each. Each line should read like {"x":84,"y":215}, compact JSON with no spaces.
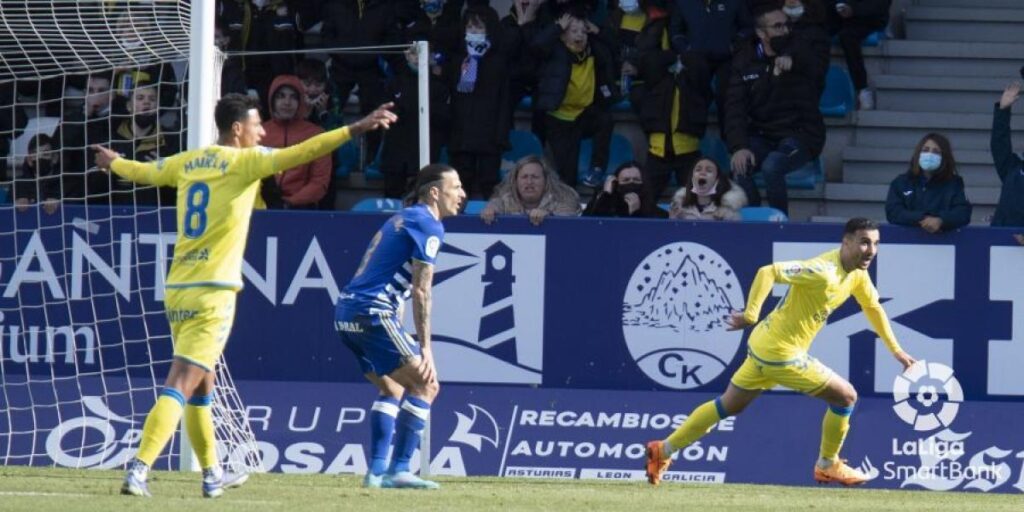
{"x":677,"y":30}
{"x":1002,"y":145}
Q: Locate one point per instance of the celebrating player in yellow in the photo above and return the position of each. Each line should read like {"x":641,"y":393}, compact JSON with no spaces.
{"x":216,"y":189}
{"x":778,"y":345}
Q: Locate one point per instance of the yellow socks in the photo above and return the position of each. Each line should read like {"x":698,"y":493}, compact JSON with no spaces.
{"x":833,"y":430}
{"x":161,"y":422}
{"x":697,"y":424}
{"x":199,"y":425}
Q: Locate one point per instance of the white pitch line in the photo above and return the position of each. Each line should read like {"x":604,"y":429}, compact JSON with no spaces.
{"x":44,"y":494}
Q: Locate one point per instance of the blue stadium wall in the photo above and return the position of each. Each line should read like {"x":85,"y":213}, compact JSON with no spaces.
{"x":562,"y":348}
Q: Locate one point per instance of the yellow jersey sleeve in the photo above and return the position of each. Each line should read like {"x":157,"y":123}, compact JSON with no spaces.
{"x":804,"y":273}
{"x":262,"y":162}
{"x":163,"y":172}
{"x":867,"y":296}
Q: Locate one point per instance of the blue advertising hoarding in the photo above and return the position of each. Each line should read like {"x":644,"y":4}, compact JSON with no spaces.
{"x":595,"y":336}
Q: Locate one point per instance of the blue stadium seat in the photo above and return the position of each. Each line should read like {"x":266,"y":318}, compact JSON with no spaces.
{"x":522,"y":143}
{"x":715,"y":148}
{"x":348,"y":159}
{"x":762,"y":214}
{"x":378,"y":204}
{"x":474,"y":207}
{"x":838,"y":98}
{"x":526,"y":103}
{"x":620,"y":152}
{"x":622,"y":106}
{"x":373,"y":171}
{"x":804,"y":178}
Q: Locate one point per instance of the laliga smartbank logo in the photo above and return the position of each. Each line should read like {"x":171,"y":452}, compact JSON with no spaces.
{"x":673,"y":315}
{"x":917,"y":396}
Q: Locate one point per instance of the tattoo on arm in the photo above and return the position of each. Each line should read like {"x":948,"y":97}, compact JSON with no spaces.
{"x":422,"y":279}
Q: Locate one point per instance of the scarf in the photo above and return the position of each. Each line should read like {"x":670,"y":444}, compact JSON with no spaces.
{"x":470,"y":67}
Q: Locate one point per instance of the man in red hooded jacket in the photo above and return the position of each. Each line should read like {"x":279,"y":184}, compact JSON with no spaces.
{"x":304,"y":186}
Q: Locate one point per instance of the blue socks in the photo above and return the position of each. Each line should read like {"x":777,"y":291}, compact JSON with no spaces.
{"x":411,"y":420}
{"x":382,"y":426}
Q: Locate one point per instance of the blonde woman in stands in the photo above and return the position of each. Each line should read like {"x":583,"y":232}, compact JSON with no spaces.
{"x":709,"y":196}
{"x":532,"y":188}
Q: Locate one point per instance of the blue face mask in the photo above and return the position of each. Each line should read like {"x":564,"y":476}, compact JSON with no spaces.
{"x":929,"y":162}
{"x":433,"y":6}
{"x":629,"y":6}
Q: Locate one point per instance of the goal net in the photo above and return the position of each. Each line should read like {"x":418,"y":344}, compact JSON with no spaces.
{"x":84,"y":344}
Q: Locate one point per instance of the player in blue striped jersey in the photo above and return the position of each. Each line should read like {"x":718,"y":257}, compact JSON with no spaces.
{"x":399,"y":264}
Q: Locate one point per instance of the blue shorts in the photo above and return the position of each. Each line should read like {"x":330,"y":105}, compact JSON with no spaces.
{"x":379,"y":342}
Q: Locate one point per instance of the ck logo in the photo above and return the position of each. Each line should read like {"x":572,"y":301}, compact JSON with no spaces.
{"x":673,"y":315}
{"x":488,"y":325}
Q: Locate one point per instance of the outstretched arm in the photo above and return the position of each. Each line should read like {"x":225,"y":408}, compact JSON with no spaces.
{"x":320,"y":145}
{"x":146,"y":173}
{"x":867,"y":297}
{"x":759,"y":291}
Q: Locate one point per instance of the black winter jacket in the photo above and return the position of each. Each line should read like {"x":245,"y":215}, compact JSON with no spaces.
{"x":911,"y":199}
{"x":711,"y":26}
{"x":652,"y":101}
{"x":774,"y":107}
{"x":1010,"y":210}
{"x":556,"y":69}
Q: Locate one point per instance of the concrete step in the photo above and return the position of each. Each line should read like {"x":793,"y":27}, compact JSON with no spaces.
{"x":964,"y":24}
{"x":865,"y":192}
{"x":930,"y":94}
{"x":996,"y":4}
{"x":981,"y":215}
{"x":879,"y":166}
{"x":897,"y":129}
{"x":947,"y":59}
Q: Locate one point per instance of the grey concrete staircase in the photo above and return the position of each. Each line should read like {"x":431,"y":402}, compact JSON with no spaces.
{"x":945,"y":77}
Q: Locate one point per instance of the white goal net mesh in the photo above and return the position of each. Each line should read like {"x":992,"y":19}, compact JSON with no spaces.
{"x":84,"y":344}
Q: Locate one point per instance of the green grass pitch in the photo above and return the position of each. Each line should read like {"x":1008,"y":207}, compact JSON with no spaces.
{"x":67,"y":490}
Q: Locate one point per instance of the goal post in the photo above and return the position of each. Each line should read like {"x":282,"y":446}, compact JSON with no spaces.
{"x":84,"y":344}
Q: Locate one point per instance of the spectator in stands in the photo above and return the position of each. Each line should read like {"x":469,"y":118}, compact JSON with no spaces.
{"x":353,"y":23}
{"x":478,"y":79}
{"x":438,"y":22}
{"x":80,"y":128}
{"x":931,"y":193}
{"x":706,"y":34}
{"x":401,"y":160}
{"x":709,"y":195}
{"x":38,"y":179}
{"x":532,"y":189}
{"x":576,"y":87}
{"x":854,"y":21}
{"x":260,"y":26}
{"x":522,"y":24}
{"x":324,"y":110}
{"x":773,"y":121}
{"x":1010,"y":209}
{"x":97,"y":96}
{"x":137,"y":135}
{"x":672,"y":114}
{"x":302,"y":187}
{"x":626,"y":22}
{"x":232,"y":74}
{"x":624,"y":195}
{"x":807,"y":18}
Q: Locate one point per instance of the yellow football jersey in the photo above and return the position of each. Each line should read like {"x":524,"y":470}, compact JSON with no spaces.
{"x":816,"y":288}
{"x":217,"y":187}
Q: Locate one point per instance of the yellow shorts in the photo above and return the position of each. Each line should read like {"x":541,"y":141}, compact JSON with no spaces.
{"x":804,"y":374}
{"x":200,"y":321}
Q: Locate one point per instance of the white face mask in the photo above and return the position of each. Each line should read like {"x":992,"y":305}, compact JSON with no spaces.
{"x":476,"y":38}
{"x":704,"y":190}
{"x":629,"y":6}
{"x":259,"y":3}
{"x":794,"y":12}
{"x":929,"y":162}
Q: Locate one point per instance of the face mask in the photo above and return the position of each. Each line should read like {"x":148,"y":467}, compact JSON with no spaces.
{"x":259,"y":3}
{"x":631,"y":188}
{"x":703,"y":188}
{"x":929,"y":161}
{"x":629,"y":6}
{"x":476,"y":38}
{"x":780,"y":43}
{"x":794,"y":12}
{"x":432,"y":6}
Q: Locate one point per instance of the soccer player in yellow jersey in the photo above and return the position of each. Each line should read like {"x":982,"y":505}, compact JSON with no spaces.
{"x":778,"y":345}
{"x":216,"y":189}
